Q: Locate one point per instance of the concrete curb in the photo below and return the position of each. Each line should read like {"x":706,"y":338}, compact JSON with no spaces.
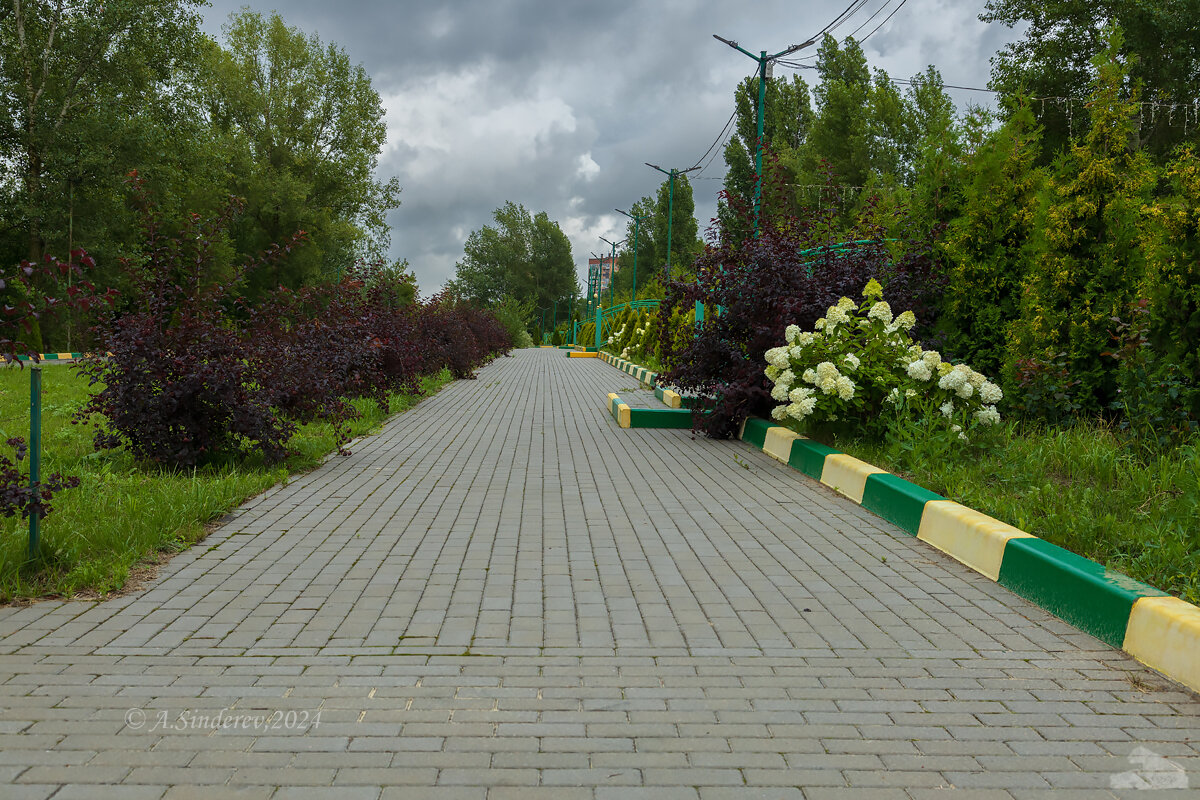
{"x":644,"y":375}
{"x":579,"y":354}
{"x":1161,"y":631}
{"x":627,"y":417}
{"x":48,"y":357}
{"x":669,"y":398}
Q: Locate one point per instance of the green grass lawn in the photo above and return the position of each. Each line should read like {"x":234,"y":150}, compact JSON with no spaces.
{"x":1083,"y":488}
{"x":124,"y":514}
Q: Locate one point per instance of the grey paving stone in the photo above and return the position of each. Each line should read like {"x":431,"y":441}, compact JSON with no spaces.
{"x":502,"y":587}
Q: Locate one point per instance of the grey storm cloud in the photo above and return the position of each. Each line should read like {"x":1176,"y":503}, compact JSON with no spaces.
{"x":556,"y":105}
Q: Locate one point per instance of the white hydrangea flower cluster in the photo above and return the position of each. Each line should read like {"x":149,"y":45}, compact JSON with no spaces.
{"x":871,"y":343}
{"x":957,"y":380}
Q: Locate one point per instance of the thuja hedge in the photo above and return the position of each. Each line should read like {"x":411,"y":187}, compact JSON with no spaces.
{"x":187,"y":372}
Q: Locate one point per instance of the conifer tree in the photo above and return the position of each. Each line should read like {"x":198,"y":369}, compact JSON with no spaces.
{"x":1085,"y":257}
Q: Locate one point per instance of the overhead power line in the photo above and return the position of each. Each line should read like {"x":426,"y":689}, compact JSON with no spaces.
{"x":841,"y":18}
{"x":720,"y":137}
{"x":882,"y":6}
{"x":885,"y":21}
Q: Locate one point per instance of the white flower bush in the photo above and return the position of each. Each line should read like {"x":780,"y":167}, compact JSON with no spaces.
{"x":860,"y":364}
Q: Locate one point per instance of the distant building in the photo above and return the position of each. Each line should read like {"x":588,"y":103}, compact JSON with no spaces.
{"x":608,"y":266}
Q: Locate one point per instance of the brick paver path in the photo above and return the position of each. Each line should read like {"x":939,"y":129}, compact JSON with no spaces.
{"x":503,"y":595}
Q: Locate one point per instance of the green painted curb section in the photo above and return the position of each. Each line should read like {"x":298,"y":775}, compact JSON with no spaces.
{"x":649,"y":417}
{"x":48,"y":357}
{"x":1089,"y":596}
{"x":809,"y":457}
{"x":896,"y":500}
{"x":755,"y":431}
{"x":660,"y":418}
{"x":1093,"y":598}
{"x":643,"y":374}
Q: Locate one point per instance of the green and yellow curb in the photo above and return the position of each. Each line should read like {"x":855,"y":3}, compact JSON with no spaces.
{"x":646,"y":376}
{"x":620,"y":411}
{"x":580,"y":354}
{"x":49,"y":357}
{"x":669,"y":397}
{"x":627,"y":417}
{"x":1161,"y":631}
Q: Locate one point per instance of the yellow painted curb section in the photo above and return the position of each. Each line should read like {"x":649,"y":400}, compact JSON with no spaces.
{"x":1164,"y":633}
{"x":778,"y":442}
{"x":581,"y":355}
{"x":975,"y":539}
{"x":623,"y":415}
{"x":672,"y":399}
{"x":848,"y":475}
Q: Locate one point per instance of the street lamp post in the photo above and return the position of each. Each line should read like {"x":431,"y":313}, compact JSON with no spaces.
{"x":612,"y":267}
{"x":599,"y":279}
{"x":764,"y":62}
{"x":670,"y":204}
{"x":637,"y":219}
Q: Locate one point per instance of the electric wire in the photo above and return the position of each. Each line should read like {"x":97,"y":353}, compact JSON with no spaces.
{"x":720,"y":136}
{"x":848,"y":12}
{"x":884,"y":5}
{"x":885,"y":21}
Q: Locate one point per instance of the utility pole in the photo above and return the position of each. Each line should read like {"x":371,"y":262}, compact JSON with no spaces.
{"x":670,"y":204}
{"x":591,"y":289}
{"x":612,"y":267}
{"x":637,"y":220}
{"x":600,"y":279}
{"x":764,"y":73}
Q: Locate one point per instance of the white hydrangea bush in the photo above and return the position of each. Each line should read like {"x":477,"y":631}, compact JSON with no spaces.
{"x":860,"y":366}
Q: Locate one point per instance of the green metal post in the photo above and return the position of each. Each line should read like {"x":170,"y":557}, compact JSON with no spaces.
{"x":612,"y":270}
{"x":35,"y":449}
{"x":670,"y":204}
{"x":635,"y":241}
{"x":670,"y":220}
{"x":597,"y":327}
{"x":636,"y":223}
{"x":763,"y":61}
{"x":758,"y":153}
{"x":612,"y":267}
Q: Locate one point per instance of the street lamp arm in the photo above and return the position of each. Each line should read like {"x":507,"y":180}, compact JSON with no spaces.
{"x":736,"y":46}
{"x":793,"y":49}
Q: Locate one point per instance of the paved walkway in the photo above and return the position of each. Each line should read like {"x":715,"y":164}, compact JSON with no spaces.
{"x":503,"y":595}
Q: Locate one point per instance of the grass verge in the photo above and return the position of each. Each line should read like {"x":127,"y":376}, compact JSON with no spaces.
{"x":125,"y":514}
{"x":1082,"y":488}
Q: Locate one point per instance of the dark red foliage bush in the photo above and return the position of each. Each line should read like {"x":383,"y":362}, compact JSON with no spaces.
{"x":459,"y":337}
{"x":318,"y":346}
{"x":26,"y":299}
{"x":177,"y":384}
{"x":17,"y":496}
{"x":791,"y":274}
{"x":35,"y":291}
{"x":195,"y":373}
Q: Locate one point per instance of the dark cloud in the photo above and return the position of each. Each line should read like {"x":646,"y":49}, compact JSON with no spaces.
{"x":556,"y":105}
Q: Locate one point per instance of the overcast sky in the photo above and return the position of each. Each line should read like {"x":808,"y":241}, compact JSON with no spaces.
{"x":556,"y":104}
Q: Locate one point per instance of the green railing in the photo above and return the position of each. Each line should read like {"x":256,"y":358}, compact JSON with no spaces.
{"x":606,"y":316}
